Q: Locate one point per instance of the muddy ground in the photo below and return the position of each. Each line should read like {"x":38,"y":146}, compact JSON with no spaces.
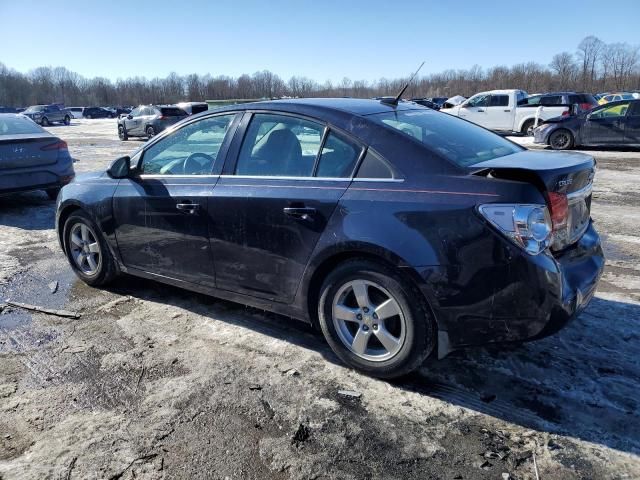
{"x":155,"y":382}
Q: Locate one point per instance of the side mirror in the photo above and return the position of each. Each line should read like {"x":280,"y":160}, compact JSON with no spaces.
{"x":120,"y":168}
{"x":130,"y":117}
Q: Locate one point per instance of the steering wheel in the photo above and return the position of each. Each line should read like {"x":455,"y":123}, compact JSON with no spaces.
{"x":191,"y":165}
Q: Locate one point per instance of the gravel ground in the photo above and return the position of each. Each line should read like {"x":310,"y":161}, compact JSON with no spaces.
{"x":155,"y":382}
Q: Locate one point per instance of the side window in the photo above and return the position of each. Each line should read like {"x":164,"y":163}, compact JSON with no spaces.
{"x":191,"y":150}
{"x":478,"y":101}
{"x":619,"y":110}
{"x":279,"y":146}
{"x":499,"y":101}
{"x":338,"y":157}
{"x":551,"y":100}
{"x":135,"y":112}
{"x":374,"y":166}
{"x":635,"y":109}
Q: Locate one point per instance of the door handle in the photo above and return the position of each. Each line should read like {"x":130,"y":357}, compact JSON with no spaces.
{"x":188,"y":208}
{"x":481,"y":110}
{"x":303,"y":213}
{"x":507,"y":110}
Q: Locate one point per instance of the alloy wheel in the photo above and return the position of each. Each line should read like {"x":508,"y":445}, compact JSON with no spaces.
{"x":369,"y":320}
{"x":560,"y":140}
{"x":85,"y":249}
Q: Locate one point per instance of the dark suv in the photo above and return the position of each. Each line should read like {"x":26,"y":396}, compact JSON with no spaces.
{"x":47,"y":114}
{"x":148,"y":120}
{"x":584,"y":101}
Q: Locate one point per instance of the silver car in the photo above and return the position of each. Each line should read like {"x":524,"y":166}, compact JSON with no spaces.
{"x":148,"y":120}
{"x":31,"y":158}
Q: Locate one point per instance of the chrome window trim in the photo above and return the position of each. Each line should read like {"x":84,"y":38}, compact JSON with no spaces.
{"x":275,"y":177}
{"x":145,"y":176}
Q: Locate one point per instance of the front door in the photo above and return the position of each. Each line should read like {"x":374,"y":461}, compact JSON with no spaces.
{"x":270,"y":208}
{"x":499,"y":114}
{"x":475,"y":109}
{"x":605,"y":125}
{"x":161,"y":213}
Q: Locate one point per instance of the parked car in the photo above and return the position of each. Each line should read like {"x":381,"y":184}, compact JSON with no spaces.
{"x":97,"y":112}
{"x":148,"y":121}
{"x":584,"y":101}
{"x":7,"y":110}
{"x":398,"y":230}
{"x":611,"y":124}
{"x":438,"y":100}
{"x":47,"y":114}
{"x":31,"y":158}
{"x":193,"y":107}
{"x":426,"y":103}
{"x":615,"y":97}
{"x":76,"y":112}
{"x":502,"y":110}
{"x":122,"y":111}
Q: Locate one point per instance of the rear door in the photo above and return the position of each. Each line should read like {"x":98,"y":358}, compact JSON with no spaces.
{"x":632,"y":124}
{"x":606,"y":125}
{"x":273,"y":203}
{"x":161,"y":215}
{"x":499,"y":113}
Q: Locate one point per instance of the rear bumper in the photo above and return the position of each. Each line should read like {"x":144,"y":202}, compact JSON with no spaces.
{"x":35,"y":178}
{"x":509,"y":296}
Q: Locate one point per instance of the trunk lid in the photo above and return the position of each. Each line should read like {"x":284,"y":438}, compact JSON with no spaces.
{"x":565,"y":179}
{"x":27,"y":150}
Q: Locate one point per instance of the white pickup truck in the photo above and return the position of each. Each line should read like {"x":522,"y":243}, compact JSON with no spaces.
{"x":505,"y":111}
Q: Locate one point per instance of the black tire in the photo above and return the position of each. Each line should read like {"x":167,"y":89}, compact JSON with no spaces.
{"x":67,"y":120}
{"x":528,"y":126}
{"x":107,"y":269}
{"x":122,"y":133}
{"x":44,"y":122}
{"x":52,"y":193}
{"x":420,"y":330}
{"x":150,"y":131}
{"x":88,"y":116}
{"x":561,"y":139}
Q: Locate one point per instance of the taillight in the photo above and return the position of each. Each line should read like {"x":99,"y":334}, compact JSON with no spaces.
{"x":59,"y":145}
{"x":586,"y":107}
{"x":163,"y":117}
{"x":559,"y":209}
{"x":566,"y":113}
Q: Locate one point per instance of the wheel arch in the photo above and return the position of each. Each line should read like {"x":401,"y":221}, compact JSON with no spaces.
{"x":329,"y":261}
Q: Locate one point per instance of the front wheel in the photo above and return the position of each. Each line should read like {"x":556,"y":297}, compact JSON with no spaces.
{"x":150,"y":131}
{"x":529,"y":127}
{"x":375,"y":320}
{"x":87,"y":251}
{"x":67,"y":120}
{"x":44,"y":122}
{"x":561,"y":140}
{"x":122,"y":133}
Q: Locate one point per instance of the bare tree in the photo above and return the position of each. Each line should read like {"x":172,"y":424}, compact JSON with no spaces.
{"x":589,"y":51}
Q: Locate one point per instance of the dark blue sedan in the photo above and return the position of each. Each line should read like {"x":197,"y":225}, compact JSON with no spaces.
{"x":397,"y":230}
{"x":31,"y":158}
{"x":612,"y":124}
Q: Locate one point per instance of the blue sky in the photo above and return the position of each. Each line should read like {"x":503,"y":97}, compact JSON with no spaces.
{"x":322,"y":40}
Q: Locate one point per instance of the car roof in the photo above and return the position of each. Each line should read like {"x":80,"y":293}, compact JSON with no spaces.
{"x":311,"y":106}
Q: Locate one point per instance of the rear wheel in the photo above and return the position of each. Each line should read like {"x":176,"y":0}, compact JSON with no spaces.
{"x":151,"y":132}
{"x":44,"y":122}
{"x":529,"y":126}
{"x":561,"y":139}
{"x":375,"y":320}
{"x":89,"y":116}
{"x":87,"y":251}
{"x":67,"y":120}
{"x":122,"y":133}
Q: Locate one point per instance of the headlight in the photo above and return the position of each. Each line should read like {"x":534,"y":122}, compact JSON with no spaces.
{"x":528,"y":226}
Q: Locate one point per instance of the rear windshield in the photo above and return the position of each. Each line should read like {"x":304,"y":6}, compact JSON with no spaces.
{"x":10,"y":125}
{"x":173,"y":112}
{"x":582,"y":98}
{"x":199,"y":108}
{"x":457,"y":140}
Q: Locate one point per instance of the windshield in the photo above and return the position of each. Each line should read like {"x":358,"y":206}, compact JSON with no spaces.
{"x":35,"y":108}
{"x":17,"y":125}
{"x":457,"y":140}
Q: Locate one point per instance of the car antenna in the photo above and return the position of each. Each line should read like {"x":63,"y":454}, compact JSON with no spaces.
{"x":394,"y":100}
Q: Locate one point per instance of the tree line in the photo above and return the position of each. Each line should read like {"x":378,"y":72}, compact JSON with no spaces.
{"x":595,"y":66}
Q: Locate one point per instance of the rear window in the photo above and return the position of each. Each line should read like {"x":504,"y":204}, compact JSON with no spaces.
{"x":172,"y":112}
{"x":582,"y":98}
{"x":10,"y":125}
{"x":199,"y":108}
{"x":457,"y":140}
{"x":499,"y":101}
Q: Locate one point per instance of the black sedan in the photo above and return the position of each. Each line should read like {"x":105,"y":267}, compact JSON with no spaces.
{"x":611,"y":124}
{"x":31,"y":158}
{"x":399,"y":231}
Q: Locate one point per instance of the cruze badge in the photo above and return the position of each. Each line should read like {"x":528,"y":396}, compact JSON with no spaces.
{"x":564,"y":183}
